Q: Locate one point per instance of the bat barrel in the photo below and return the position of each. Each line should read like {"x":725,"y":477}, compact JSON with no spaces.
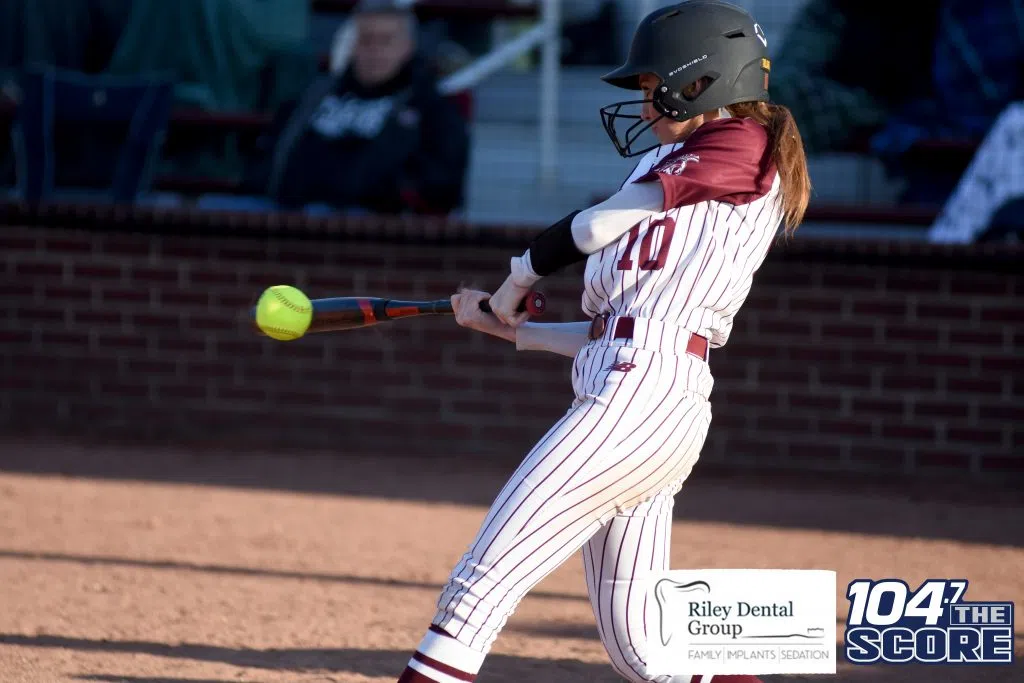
{"x":403,"y":309}
{"x":352,"y":312}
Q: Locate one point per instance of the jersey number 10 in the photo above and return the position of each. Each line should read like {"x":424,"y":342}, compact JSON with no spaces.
{"x":647,"y":261}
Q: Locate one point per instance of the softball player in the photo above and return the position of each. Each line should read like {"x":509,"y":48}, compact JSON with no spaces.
{"x":669,"y":262}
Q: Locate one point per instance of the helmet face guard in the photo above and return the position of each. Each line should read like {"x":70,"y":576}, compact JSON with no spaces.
{"x":611,"y":113}
{"x":665,"y":103}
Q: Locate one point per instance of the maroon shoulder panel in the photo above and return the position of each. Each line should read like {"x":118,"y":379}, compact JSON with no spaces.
{"x":727,"y":160}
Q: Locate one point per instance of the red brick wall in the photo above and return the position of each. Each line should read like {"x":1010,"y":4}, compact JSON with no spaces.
{"x":853,"y":357}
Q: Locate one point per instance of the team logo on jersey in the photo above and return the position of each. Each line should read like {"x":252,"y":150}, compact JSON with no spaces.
{"x":892,"y":624}
{"x":676,"y":165}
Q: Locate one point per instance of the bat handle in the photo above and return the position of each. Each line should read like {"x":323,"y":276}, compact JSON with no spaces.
{"x":535,"y":303}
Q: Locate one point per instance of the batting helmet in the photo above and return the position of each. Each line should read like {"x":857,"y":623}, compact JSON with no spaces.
{"x":684,"y":43}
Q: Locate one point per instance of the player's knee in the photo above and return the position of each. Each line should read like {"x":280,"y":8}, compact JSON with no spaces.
{"x":644,"y":676}
{"x":631,"y":667}
{"x":640,"y":674}
{"x":633,"y":675}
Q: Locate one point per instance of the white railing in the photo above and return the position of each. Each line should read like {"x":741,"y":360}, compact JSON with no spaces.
{"x":546,"y":33}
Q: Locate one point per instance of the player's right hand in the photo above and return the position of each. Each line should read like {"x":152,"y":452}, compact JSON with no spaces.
{"x":466,"y":305}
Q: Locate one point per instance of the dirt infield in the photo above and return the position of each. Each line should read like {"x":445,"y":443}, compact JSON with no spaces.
{"x":140,"y":566}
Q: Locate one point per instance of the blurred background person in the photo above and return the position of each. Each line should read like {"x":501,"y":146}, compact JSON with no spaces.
{"x":856,"y":77}
{"x":377,"y":136}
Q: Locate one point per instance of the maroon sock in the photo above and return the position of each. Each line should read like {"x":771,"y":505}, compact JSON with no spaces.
{"x":427,"y":665}
{"x":413,"y":676}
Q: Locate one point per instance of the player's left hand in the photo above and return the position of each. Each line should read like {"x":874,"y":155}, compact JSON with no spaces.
{"x":466,"y":306}
{"x":505,"y":302}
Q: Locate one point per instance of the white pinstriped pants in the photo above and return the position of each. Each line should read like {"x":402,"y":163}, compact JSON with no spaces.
{"x":601,"y":479}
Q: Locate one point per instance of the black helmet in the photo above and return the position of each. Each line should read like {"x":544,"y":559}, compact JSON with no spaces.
{"x":681,"y":44}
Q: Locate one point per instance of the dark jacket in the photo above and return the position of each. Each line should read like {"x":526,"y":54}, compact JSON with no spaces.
{"x":399,"y":147}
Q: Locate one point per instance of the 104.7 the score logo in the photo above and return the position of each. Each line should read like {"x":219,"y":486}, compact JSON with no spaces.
{"x":890,"y":623}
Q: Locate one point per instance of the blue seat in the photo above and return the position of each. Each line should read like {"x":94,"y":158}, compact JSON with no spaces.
{"x":80,"y":136}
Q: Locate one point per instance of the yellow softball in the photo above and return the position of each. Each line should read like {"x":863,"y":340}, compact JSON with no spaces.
{"x":283,"y":313}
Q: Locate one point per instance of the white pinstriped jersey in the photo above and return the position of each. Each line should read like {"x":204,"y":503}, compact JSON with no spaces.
{"x":692,"y":264}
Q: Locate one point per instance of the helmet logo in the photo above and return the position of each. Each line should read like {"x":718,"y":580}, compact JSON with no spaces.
{"x":759,"y":32}
{"x":687,"y":65}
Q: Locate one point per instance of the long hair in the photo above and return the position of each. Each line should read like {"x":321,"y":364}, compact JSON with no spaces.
{"x":787,"y":153}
